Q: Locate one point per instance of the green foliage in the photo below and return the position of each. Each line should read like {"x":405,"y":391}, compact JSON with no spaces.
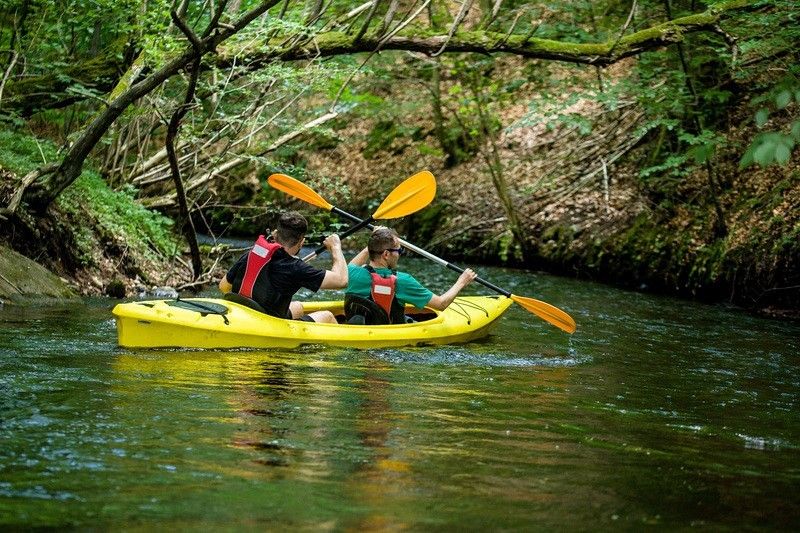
{"x":474,"y":97}
{"x":22,"y":154}
{"x":775,"y":146}
{"x":56,"y":31}
{"x":105,"y":215}
{"x":702,"y":147}
{"x":117,"y":217}
{"x":426,"y":149}
{"x":383,"y":136}
{"x":674,"y":166}
{"x":769,"y":148}
{"x":506,"y":247}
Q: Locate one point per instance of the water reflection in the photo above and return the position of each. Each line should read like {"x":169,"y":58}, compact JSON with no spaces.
{"x":656,"y":411}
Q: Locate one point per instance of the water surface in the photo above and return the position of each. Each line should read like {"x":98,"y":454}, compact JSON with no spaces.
{"x":656,"y":412}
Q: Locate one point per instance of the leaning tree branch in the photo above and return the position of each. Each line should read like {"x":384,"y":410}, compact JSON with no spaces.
{"x":42,"y":194}
{"x":29,"y":178}
{"x":331,"y":43}
{"x":220,"y":170}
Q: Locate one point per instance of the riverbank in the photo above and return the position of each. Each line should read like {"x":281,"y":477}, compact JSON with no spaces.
{"x":715,"y":231}
{"x":584,"y":207}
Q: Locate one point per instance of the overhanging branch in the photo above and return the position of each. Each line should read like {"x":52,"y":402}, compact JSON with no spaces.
{"x":333,"y":43}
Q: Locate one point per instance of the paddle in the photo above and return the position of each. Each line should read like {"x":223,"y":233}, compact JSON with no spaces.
{"x":543,"y":310}
{"x":409,"y":197}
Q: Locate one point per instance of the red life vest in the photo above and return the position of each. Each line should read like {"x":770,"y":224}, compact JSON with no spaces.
{"x":260,"y":254}
{"x":383,"y":291}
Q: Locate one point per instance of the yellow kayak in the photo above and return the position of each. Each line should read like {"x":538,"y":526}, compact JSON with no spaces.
{"x":217,"y":323}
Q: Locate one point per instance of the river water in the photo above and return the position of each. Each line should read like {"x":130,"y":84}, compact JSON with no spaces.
{"x":656,"y":412}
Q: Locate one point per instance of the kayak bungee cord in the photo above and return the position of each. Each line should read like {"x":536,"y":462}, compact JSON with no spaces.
{"x":208,"y":310}
{"x":473,"y":305}
{"x":459,"y":309}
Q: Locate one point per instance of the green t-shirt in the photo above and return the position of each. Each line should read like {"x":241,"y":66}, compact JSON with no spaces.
{"x":407,"y":289}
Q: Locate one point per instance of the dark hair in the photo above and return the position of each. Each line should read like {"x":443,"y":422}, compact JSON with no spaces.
{"x":380,"y":240}
{"x":292,"y":227}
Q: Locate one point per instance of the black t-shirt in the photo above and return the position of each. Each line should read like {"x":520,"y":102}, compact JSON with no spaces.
{"x":278,"y":281}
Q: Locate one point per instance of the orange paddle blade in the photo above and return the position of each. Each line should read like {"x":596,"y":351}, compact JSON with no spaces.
{"x":298,"y":189}
{"x":409,"y":197}
{"x":547,"y":312}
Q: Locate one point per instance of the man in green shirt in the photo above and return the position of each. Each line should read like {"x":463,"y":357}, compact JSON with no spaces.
{"x":373,"y":276}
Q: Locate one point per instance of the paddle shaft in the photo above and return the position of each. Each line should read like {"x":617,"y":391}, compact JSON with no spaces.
{"x":366,"y":224}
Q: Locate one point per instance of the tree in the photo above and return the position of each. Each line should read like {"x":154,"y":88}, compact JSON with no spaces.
{"x":320,"y":41}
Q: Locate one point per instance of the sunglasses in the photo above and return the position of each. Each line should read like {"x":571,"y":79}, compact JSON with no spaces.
{"x":400,"y":251}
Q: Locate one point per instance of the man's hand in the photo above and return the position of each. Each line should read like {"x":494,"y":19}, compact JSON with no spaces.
{"x":336,"y":277}
{"x":332,"y":242}
{"x":467,"y":277}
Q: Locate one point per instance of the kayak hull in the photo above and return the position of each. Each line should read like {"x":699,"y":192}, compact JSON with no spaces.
{"x":186,"y":324}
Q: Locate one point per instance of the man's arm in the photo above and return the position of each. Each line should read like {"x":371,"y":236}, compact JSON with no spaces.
{"x":336,"y":277}
{"x":361,"y":259}
{"x":441,"y":302}
{"x":224,"y":285}
{"x":363,"y":256}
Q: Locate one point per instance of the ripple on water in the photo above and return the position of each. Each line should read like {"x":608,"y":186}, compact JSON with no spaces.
{"x":465,"y":357}
{"x":36,"y":492}
{"x":764,"y":443}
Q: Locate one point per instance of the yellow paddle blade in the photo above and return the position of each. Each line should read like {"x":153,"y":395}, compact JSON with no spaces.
{"x":298,"y":189}
{"x":409,"y":197}
{"x":547,"y":312}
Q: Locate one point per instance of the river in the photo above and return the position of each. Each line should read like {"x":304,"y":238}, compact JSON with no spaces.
{"x":656,"y":411}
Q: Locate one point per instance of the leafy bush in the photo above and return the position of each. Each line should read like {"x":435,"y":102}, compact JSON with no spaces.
{"x":102,"y":215}
{"x":22,"y":153}
{"x":117,"y":217}
{"x":774,"y":146}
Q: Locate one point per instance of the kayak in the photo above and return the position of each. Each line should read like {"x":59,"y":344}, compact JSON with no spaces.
{"x":217,"y":323}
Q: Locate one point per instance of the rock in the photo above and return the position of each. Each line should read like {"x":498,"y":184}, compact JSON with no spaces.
{"x":22,"y":279}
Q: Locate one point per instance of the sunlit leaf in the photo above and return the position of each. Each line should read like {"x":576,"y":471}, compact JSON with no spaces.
{"x":783,"y":99}
{"x":765,"y":154}
{"x":762,"y":115}
{"x":782,"y":154}
{"x":796,"y":129}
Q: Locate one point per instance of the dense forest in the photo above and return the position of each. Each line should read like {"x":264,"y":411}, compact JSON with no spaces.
{"x":645,"y":143}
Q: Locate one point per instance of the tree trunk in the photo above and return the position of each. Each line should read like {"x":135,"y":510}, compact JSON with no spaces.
{"x":495,"y":165}
{"x":185,"y":221}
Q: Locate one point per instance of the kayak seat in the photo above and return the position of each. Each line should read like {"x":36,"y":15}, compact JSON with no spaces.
{"x":245,"y":301}
{"x":357,"y":320}
{"x":363,"y":311}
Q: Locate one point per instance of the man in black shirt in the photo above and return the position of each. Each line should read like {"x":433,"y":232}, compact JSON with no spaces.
{"x":271,"y":273}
